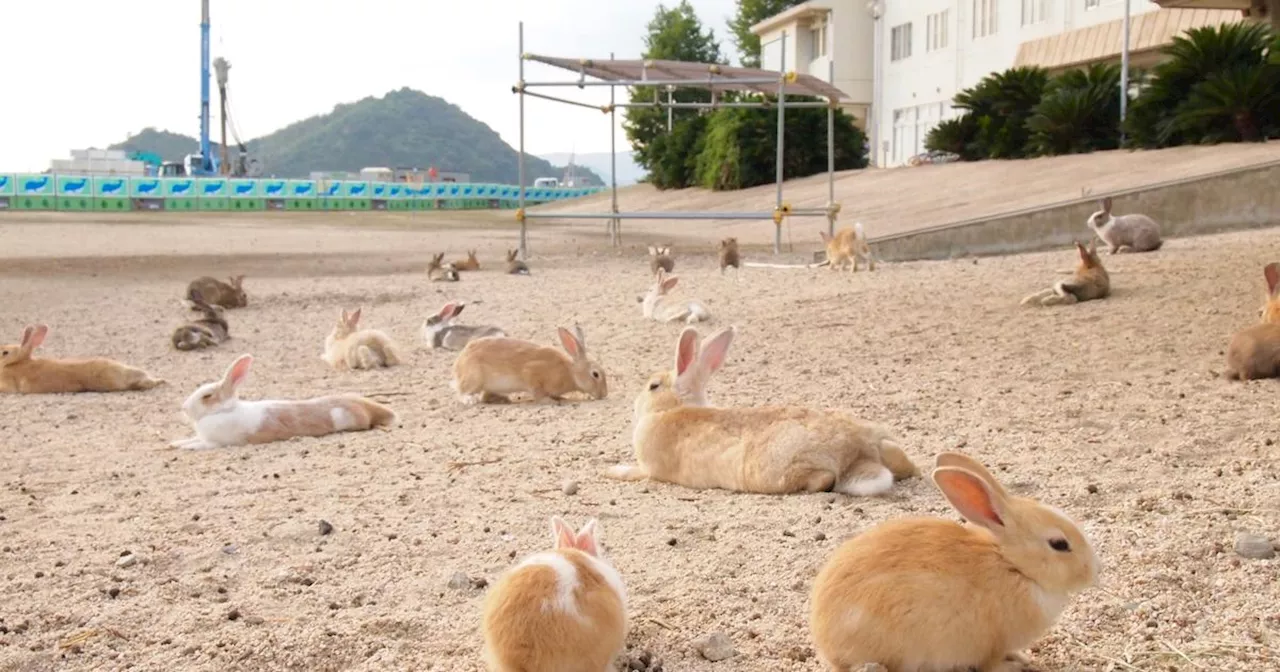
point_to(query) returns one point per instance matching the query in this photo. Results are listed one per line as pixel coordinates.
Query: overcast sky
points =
(85, 73)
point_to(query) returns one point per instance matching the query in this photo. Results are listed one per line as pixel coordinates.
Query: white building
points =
(918, 54)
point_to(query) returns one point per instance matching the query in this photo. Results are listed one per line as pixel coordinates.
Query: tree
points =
(1079, 113)
(994, 125)
(1215, 85)
(674, 34)
(751, 12)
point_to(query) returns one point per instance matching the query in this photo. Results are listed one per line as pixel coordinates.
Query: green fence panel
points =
(117, 204)
(214, 204)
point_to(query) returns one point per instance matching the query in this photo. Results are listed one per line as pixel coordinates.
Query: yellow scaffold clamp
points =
(606, 108)
(518, 87)
(791, 77)
(520, 215)
(781, 212)
(833, 209)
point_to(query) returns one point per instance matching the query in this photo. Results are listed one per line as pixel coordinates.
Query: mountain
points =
(404, 128)
(629, 172)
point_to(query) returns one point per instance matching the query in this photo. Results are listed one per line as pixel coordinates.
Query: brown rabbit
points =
(1089, 282)
(438, 271)
(729, 254)
(471, 263)
(23, 374)
(218, 293)
(846, 247)
(660, 258)
(1255, 352)
(205, 332)
(514, 265)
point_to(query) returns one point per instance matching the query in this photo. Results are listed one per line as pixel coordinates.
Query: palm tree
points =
(1216, 84)
(1079, 113)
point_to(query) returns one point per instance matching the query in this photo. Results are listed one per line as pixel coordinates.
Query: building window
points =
(1035, 11)
(900, 42)
(935, 34)
(985, 19)
(1092, 4)
(818, 38)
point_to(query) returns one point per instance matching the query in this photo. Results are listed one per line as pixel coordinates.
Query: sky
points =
(106, 69)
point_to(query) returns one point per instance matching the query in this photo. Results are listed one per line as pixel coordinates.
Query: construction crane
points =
(205, 164)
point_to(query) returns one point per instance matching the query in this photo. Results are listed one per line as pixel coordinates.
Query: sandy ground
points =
(1108, 410)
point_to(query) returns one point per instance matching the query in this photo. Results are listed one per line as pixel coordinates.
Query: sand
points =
(1109, 410)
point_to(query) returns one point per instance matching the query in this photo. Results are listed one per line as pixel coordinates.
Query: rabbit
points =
(1254, 352)
(471, 263)
(21, 373)
(205, 332)
(764, 450)
(515, 266)
(729, 255)
(563, 610)
(491, 369)
(845, 248)
(438, 271)
(218, 293)
(440, 333)
(221, 418)
(349, 347)
(660, 258)
(928, 594)
(1126, 233)
(1089, 282)
(656, 305)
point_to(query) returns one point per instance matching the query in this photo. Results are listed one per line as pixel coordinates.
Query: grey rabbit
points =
(205, 332)
(1126, 233)
(440, 333)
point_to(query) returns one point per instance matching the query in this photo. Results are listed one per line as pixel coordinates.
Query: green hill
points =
(404, 128)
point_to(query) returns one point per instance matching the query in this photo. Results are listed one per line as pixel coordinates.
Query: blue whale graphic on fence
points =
(4, 181)
(358, 189)
(301, 189)
(274, 188)
(75, 186)
(109, 187)
(180, 188)
(245, 188)
(379, 189)
(333, 189)
(148, 187)
(213, 187)
(38, 184)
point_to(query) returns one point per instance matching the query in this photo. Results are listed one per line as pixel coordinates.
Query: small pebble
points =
(127, 560)
(872, 667)
(1254, 546)
(715, 647)
(114, 592)
(819, 536)
(233, 615)
(459, 581)
(325, 528)
(569, 487)
(1093, 489)
(671, 541)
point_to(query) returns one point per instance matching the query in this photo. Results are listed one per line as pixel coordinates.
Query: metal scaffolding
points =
(669, 75)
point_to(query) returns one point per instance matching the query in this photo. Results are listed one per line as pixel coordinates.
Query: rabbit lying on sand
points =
(206, 332)
(438, 271)
(1089, 282)
(214, 291)
(767, 450)
(492, 369)
(440, 332)
(657, 305)
(221, 418)
(349, 347)
(23, 374)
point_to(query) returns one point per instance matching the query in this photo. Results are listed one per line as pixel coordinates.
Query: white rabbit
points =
(221, 418)
(1126, 233)
(656, 305)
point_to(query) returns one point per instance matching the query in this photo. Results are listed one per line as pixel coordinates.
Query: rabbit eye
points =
(595, 374)
(654, 386)
(4, 354)
(207, 396)
(1059, 545)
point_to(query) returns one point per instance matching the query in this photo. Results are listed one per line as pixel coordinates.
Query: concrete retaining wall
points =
(1232, 200)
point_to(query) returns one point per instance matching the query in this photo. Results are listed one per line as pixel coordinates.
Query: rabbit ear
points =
(972, 497)
(236, 373)
(825, 237)
(570, 343)
(1106, 205)
(962, 461)
(588, 538)
(561, 534)
(711, 356)
(354, 318)
(670, 282)
(1272, 273)
(686, 349)
(26, 336)
(457, 309)
(37, 336)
